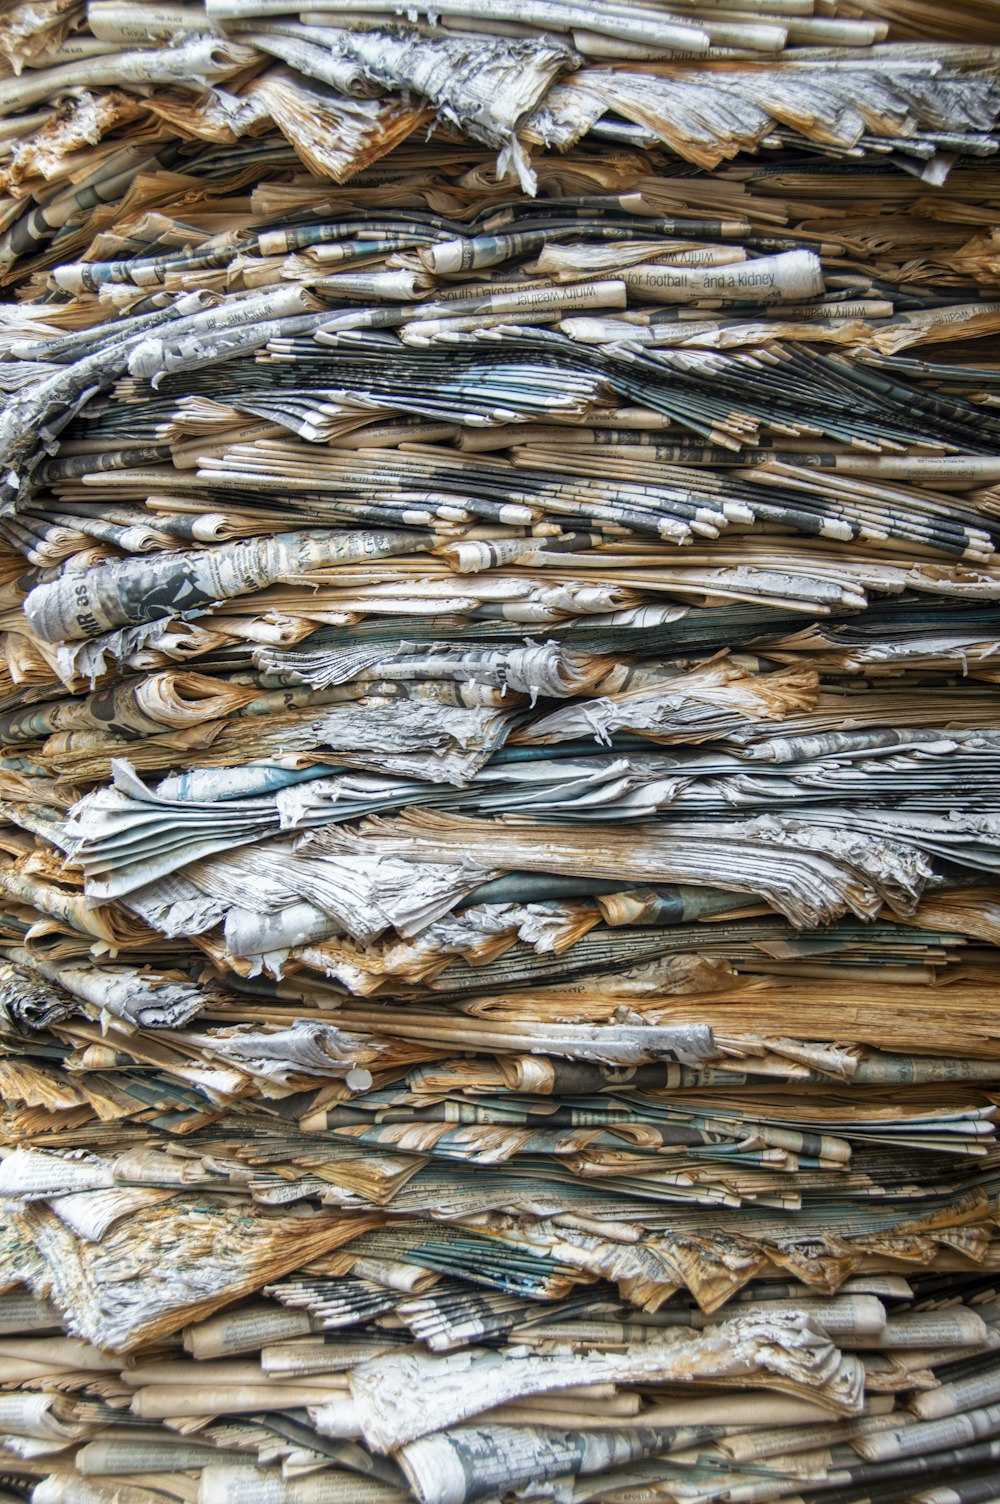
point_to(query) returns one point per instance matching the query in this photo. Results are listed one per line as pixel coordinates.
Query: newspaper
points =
(498, 752)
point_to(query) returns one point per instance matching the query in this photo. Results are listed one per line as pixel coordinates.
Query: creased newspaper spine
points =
(220, 1484)
(452, 1467)
(957, 1396)
(244, 1331)
(929, 1436)
(114, 595)
(791, 277)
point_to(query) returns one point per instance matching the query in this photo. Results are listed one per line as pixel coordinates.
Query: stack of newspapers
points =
(499, 752)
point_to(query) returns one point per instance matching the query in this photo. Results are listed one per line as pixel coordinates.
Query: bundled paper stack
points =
(500, 746)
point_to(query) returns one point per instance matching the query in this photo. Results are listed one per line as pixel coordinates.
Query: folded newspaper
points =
(499, 752)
